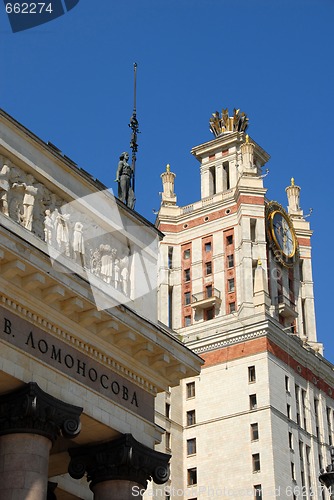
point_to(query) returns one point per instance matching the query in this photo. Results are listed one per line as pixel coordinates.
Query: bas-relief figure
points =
(35, 207)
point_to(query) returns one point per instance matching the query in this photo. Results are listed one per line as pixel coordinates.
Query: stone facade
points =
(81, 362)
(236, 286)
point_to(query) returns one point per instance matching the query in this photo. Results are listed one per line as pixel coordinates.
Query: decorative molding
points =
(121, 459)
(31, 410)
(228, 342)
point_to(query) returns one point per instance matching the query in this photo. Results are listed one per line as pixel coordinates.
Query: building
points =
(82, 353)
(236, 287)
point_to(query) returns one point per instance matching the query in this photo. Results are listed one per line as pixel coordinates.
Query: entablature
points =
(65, 305)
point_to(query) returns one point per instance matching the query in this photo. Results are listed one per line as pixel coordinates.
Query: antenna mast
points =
(135, 129)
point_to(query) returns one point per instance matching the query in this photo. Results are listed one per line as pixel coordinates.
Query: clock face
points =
(281, 234)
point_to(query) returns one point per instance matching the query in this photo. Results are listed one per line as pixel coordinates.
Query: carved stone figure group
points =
(23, 199)
(107, 264)
(32, 205)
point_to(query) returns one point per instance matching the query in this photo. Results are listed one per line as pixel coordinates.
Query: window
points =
(187, 274)
(232, 307)
(167, 410)
(304, 408)
(252, 402)
(293, 472)
(209, 314)
(168, 440)
(212, 180)
(186, 254)
(187, 320)
(230, 285)
(301, 270)
(208, 268)
(208, 247)
(191, 446)
(229, 240)
(253, 230)
(316, 413)
(256, 462)
(287, 383)
(192, 476)
(208, 291)
(329, 425)
(170, 257)
(290, 441)
(170, 306)
(191, 419)
(300, 445)
(230, 261)
(251, 374)
(288, 410)
(258, 492)
(187, 298)
(254, 432)
(190, 390)
(297, 404)
(226, 176)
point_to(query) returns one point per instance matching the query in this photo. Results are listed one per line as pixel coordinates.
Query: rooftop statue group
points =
(124, 178)
(221, 123)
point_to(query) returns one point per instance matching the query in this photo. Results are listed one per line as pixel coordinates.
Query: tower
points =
(236, 287)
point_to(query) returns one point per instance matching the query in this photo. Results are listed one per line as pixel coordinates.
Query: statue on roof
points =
(123, 177)
(222, 123)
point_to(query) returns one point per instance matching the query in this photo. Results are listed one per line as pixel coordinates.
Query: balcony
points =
(203, 300)
(285, 307)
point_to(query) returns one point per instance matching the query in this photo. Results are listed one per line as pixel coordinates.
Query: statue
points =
(4, 188)
(48, 227)
(215, 124)
(62, 231)
(106, 262)
(123, 177)
(78, 243)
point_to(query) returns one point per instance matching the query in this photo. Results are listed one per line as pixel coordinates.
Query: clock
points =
(281, 233)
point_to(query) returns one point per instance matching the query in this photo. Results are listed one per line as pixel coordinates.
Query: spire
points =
(168, 195)
(293, 194)
(135, 131)
(247, 153)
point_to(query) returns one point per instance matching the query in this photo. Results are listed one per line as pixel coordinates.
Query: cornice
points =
(230, 341)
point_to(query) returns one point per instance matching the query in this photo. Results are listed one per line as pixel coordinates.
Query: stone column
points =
(119, 469)
(30, 421)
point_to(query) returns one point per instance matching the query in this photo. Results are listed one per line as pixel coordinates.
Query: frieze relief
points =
(67, 230)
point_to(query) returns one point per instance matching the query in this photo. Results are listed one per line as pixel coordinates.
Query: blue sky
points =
(70, 82)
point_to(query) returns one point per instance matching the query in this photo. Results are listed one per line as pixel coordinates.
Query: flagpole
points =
(135, 128)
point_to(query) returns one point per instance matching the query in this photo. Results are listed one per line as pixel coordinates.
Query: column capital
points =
(31, 410)
(121, 459)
